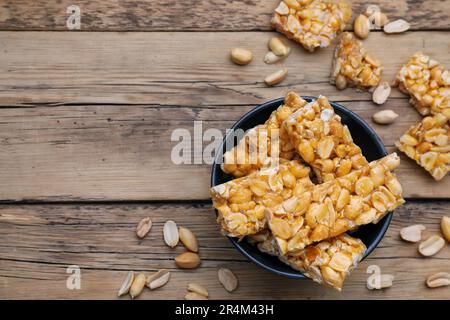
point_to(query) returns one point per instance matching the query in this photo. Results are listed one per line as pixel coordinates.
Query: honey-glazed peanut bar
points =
(428, 84)
(353, 66)
(428, 143)
(312, 23)
(284, 196)
(363, 196)
(328, 262)
(255, 147)
(322, 141)
(241, 203)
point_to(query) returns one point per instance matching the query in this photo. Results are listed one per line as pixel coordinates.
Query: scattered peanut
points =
(362, 26)
(385, 117)
(439, 279)
(271, 57)
(126, 284)
(396, 26)
(194, 287)
(143, 227)
(431, 246)
(228, 279)
(276, 77)
(188, 260)
(241, 56)
(188, 239)
(381, 93)
(158, 279)
(277, 46)
(194, 296)
(171, 236)
(412, 233)
(385, 281)
(445, 227)
(138, 285)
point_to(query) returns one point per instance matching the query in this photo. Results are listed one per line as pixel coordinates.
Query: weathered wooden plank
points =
(124, 152)
(177, 68)
(146, 15)
(38, 243)
(83, 151)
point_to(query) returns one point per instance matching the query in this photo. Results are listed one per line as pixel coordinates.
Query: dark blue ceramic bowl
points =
(363, 135)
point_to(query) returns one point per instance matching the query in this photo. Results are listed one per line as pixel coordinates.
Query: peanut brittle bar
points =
(428, 84)
(328, 262)
(322, 141)
(298, 212)
(363, 196)
(353, 66)
(428, 143)
(241, 203)
(312, 23)
(255, 147)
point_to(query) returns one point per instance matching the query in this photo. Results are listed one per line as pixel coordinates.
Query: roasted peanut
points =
(381, 93)
(241, 56)
(412, 233)
(143, 227)
(188, 260)
(445, 227)
(396, 26)
(276, 77)
(228, 279)
(138, 285)
(431, 246)
(362, 26)
(385, 117)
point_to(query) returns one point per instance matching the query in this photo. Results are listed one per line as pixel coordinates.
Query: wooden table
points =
(85, 132)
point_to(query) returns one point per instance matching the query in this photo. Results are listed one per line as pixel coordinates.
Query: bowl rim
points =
(384, 223)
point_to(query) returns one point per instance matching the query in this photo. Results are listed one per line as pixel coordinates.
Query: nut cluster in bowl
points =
(299, 205)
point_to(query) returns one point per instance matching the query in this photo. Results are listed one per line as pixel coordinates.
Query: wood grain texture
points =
(38, 243)
(147, 15)
(188, 69)
(89, 115)
(105, 152)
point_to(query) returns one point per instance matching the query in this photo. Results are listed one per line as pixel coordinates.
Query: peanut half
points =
(439, 279)
(431, 246)
(228, 279)
(241, 56)
(271, 57)
(445, 227)
(412, 233)
(396, 26)
(381, 93)
(126, 284)
(188, 260)
(143, 227)
(138, 285)
(188, 238)
(194, 287)
(171, 236)
(278, 47)
(276, 77)
(384, 117)
(158, 279)
(362, 26)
